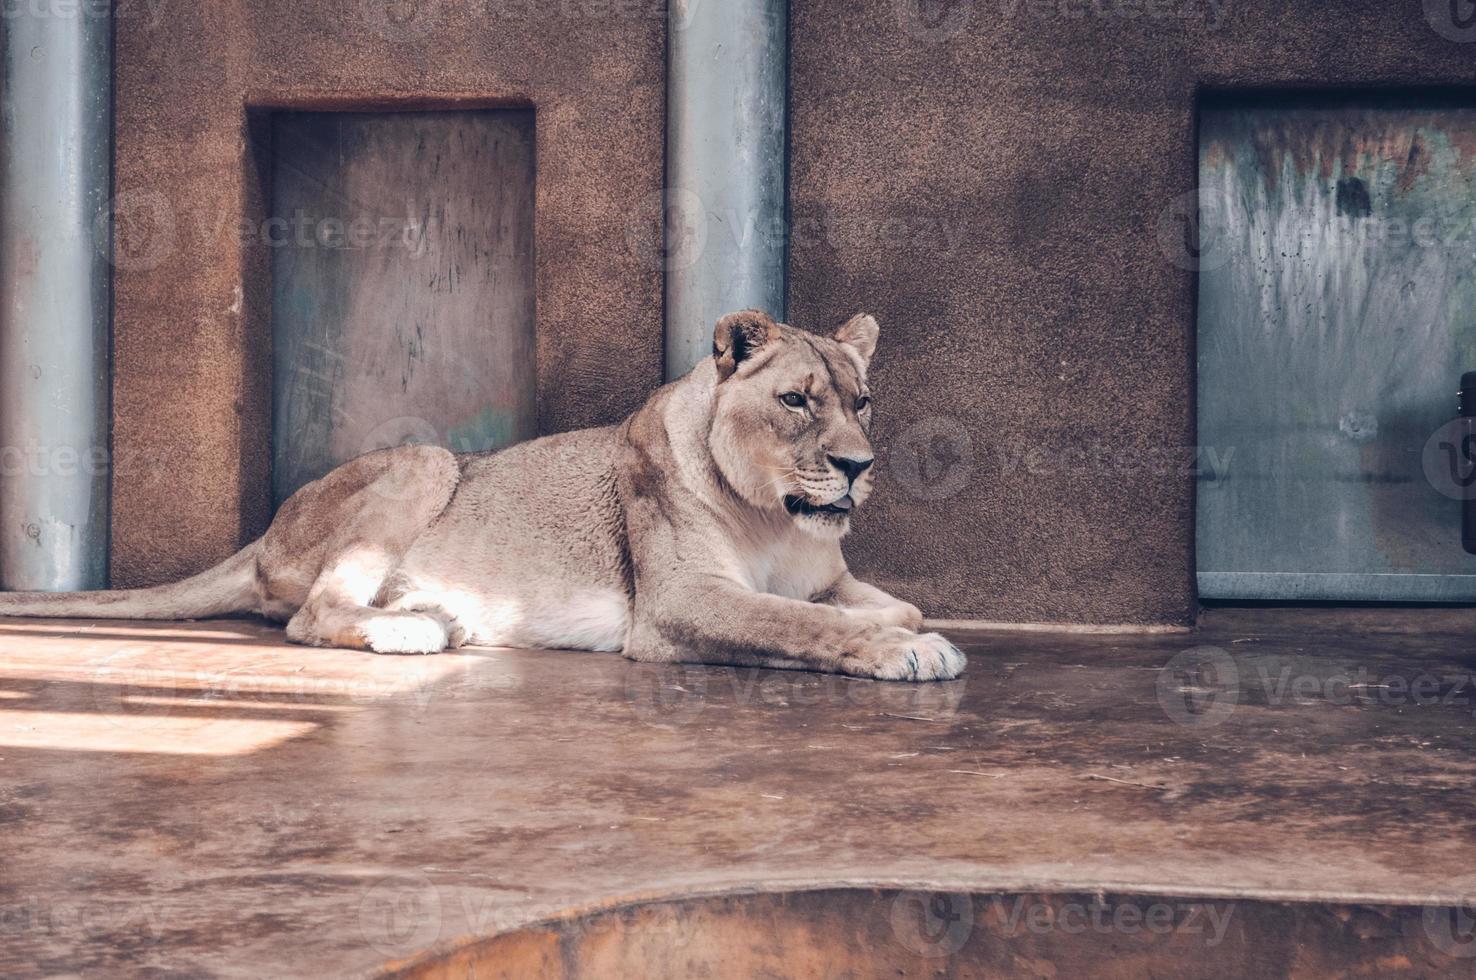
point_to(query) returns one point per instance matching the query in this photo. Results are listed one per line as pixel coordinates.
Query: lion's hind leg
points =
(368, 536)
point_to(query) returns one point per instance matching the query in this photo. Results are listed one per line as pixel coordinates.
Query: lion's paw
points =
(405, 632)
(901, 655)
(456, 633)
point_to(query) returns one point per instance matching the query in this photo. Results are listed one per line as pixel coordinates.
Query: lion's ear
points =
(737, 336)
(860, 333)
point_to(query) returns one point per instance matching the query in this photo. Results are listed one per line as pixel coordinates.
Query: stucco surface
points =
(1003, 184)
(192, 386)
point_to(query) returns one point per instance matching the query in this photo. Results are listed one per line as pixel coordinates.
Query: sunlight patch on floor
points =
(125, 732)
(215, 688)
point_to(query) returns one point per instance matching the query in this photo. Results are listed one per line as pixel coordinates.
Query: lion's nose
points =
(851, 466)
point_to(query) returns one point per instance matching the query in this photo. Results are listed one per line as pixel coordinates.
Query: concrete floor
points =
(204, 800)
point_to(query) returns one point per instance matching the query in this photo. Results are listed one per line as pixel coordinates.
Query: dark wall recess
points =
(402, 285)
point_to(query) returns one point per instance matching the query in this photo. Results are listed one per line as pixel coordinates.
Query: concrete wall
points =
(1002, 182)
(192, 386)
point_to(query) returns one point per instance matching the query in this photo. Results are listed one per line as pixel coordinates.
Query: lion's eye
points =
(863, 403)
(793, 399)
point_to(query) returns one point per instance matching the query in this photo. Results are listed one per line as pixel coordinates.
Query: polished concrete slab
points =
(203, 800)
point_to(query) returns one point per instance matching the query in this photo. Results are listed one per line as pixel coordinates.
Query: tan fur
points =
(706, 528)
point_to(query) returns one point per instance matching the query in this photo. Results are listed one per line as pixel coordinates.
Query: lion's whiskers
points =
(781, 482)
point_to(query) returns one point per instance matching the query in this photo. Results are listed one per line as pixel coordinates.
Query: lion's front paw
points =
(896, 654)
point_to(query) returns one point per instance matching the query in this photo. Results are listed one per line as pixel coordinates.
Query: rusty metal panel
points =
(402, 284)
(1337, 311)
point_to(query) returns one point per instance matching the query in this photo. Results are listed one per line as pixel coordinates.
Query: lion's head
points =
(791, 417)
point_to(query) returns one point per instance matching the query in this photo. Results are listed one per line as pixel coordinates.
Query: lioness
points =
(705, 528)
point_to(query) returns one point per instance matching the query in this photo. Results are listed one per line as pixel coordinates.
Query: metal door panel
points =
(402, 284)
(1337, 310)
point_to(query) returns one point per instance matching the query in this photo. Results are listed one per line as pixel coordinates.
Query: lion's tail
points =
(228, 587)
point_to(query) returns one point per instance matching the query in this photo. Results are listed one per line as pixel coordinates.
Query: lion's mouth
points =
(799, 505)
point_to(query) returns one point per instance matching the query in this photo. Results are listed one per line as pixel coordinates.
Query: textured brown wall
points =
(192, 384)
(989, 178)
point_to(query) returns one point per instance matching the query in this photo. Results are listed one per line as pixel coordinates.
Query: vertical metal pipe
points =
(55, 168)
(725, 166)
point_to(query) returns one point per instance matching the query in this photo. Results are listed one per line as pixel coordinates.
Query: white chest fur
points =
(796, 566)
